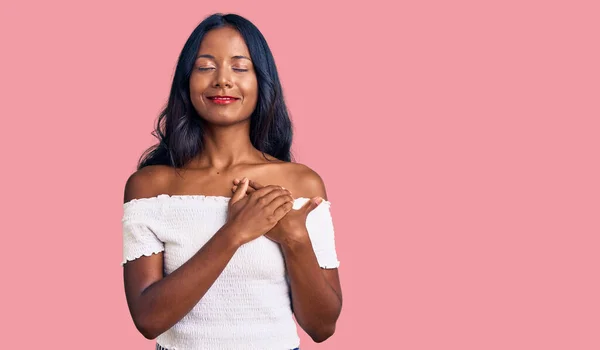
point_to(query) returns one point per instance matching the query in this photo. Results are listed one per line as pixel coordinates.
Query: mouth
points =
(222, 100)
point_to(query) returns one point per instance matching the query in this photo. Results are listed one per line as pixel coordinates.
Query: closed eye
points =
(204, 69)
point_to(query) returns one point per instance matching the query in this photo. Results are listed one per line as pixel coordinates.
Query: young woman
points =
(225, 239)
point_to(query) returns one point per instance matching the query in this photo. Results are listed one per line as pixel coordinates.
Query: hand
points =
(251, 216)
(292, 227)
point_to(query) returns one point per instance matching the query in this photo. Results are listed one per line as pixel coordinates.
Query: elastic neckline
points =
(216, 199)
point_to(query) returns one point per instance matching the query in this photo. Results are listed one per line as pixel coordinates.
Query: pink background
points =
(459, 142)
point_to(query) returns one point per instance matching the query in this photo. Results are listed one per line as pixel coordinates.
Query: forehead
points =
(225, 41)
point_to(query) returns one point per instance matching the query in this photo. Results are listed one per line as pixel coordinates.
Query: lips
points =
(222, 100)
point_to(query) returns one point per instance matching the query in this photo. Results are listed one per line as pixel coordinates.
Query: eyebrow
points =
(238, 57)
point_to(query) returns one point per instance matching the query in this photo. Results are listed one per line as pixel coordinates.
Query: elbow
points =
(322, 334)
(148, 334)
(147, 327)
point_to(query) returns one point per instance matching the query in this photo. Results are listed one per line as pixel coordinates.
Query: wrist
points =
(231, 233)
(297, 241)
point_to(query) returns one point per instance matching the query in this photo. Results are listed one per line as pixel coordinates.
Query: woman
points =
(204, 270)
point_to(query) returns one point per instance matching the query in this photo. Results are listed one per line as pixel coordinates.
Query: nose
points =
(223, 79)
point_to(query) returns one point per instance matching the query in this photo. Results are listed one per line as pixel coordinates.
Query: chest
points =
(188, 228)
(220, 183)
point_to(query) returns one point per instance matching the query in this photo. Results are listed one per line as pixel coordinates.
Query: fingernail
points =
(245, 180)
(319, 200)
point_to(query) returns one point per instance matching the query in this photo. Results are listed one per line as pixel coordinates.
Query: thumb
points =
(311, 205)
(240, 192)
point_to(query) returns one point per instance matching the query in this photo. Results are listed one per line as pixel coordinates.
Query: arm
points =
(157, 303)
(316, 292)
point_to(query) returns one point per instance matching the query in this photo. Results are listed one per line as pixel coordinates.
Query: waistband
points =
(159, 347)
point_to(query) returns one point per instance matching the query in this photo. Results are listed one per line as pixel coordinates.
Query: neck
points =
(226, 146)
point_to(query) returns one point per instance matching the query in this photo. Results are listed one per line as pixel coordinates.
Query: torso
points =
(255, 278)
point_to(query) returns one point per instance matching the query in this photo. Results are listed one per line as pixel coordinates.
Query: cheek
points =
(196, 90)
(195, 85)
(250, 90)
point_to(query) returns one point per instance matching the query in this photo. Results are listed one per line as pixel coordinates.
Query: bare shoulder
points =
(147, 182)
(304, 181)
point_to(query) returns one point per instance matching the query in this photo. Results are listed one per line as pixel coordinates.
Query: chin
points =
(224, 120)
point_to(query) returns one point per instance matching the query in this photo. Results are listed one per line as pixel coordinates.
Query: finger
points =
(240, 192)
(267, 199)
(250, 189)
(237, 180)
(311, 205)
(265, 190)
(283, 209)
(278, 201)
(255, 185)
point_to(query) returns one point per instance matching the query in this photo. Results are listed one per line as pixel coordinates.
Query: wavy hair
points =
(179, 129)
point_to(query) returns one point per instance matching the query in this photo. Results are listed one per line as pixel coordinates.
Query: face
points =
(223, 84)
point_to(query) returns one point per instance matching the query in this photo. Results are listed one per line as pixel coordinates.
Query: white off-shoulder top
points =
(248, 306)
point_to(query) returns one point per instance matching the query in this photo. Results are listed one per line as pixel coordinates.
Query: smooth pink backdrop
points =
(459, 142)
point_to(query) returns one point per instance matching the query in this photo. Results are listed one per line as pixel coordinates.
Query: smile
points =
(222, 99)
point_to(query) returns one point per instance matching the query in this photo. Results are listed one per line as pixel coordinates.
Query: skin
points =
(156, 302)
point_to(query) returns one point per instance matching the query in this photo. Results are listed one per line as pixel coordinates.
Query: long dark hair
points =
(179, 129)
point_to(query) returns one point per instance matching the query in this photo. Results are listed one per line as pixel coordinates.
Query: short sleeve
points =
(139, 224)
(319, 225)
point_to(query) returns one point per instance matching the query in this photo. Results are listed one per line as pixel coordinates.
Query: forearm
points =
(316, 304)
(167, 301)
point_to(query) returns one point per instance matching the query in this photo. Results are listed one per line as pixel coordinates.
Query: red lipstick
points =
(222, 100)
